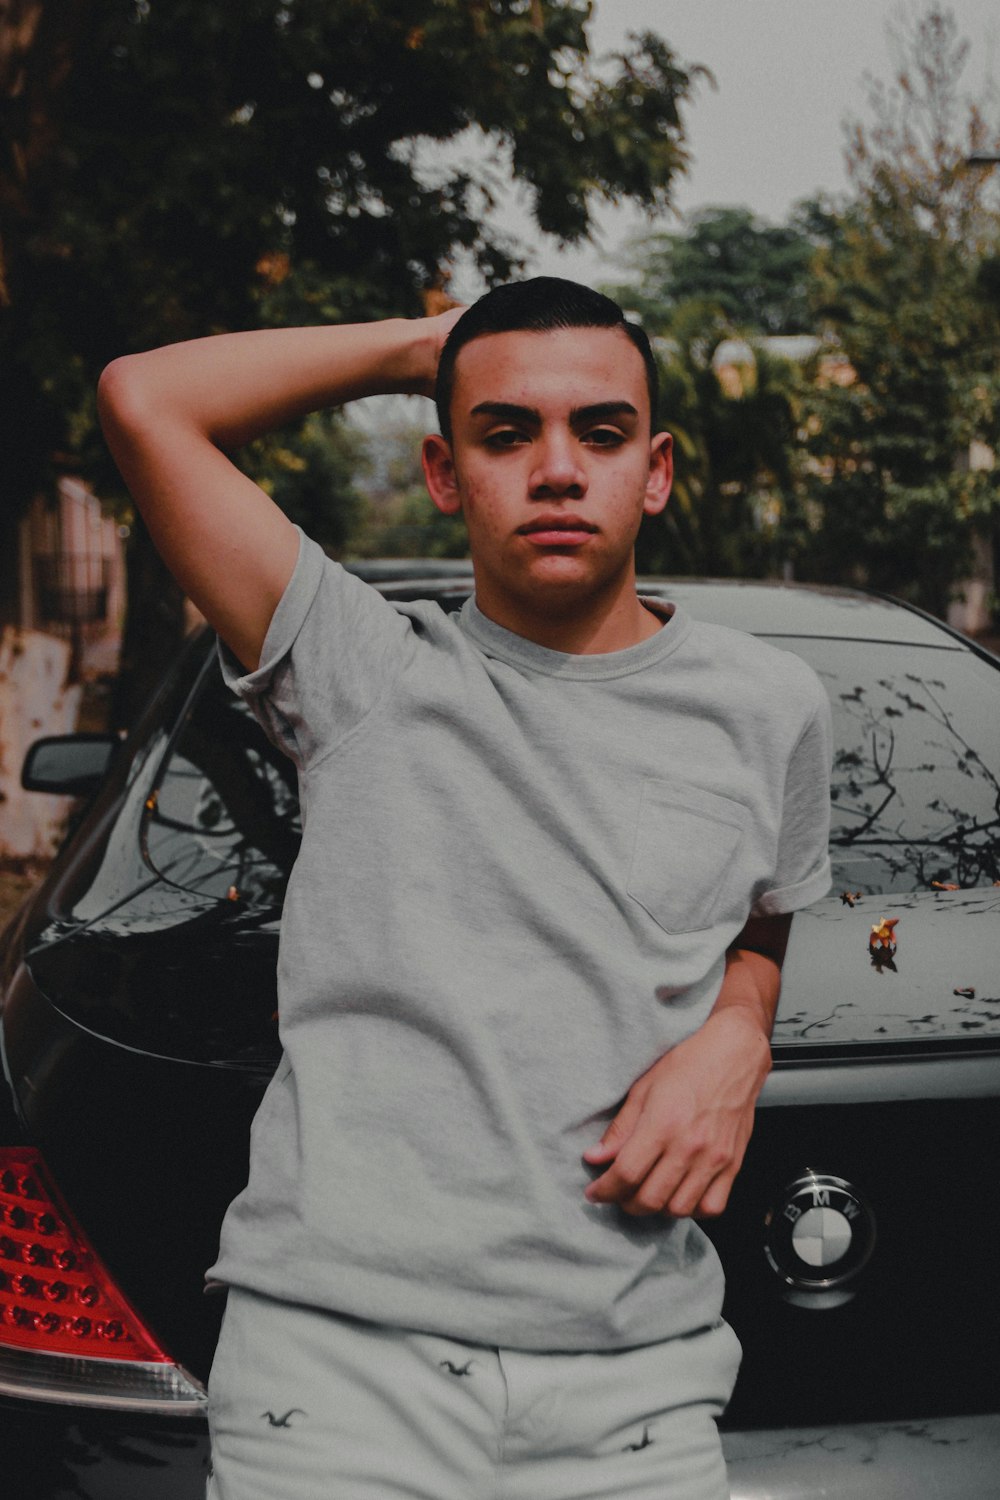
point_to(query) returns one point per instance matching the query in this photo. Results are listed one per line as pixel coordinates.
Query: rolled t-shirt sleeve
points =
(333, 647)
(802, 872)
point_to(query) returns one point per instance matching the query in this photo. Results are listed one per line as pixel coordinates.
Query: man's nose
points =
(557, 469)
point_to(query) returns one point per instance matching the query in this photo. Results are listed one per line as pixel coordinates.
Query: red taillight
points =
(67, 1334)
(56, 1297)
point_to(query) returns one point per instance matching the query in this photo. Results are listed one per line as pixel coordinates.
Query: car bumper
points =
(54, 1452)
(937, 1458)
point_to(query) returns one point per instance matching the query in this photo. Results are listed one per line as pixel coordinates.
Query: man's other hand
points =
(677, 1142)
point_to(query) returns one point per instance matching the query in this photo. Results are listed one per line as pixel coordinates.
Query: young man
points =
(531, 947)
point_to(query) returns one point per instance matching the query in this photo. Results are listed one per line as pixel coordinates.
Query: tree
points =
(726, 276)
(734, 492)
(304, 469)
(904, 287)
(756, 274)
(37, 45)
(194, 166)
(397, 517)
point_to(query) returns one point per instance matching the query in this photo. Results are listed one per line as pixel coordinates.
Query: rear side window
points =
(916, 769)
(224, 817)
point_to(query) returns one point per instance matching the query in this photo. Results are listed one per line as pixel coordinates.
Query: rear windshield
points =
(225, 814)
(916, 780)
(916, 768)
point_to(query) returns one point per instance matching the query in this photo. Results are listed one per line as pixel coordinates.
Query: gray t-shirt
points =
(520, 870)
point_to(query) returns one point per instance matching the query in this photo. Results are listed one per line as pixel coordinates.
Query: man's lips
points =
(557, 530)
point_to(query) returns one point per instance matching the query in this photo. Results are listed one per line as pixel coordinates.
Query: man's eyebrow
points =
(602, 411)
(506, 411)
(598, 411)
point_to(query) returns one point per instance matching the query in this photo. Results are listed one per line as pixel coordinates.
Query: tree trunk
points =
(154, 628)
(38, 46)
(34, 701)
(10, 554)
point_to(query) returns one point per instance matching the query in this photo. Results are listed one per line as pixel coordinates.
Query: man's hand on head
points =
(437, 327)
(678, 1141)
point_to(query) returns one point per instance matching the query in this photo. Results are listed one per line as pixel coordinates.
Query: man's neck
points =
(592, 629)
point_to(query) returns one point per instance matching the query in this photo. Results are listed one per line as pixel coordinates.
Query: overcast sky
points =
(787, 74)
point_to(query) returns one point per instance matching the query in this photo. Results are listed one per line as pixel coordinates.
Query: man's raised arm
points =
(171, 415)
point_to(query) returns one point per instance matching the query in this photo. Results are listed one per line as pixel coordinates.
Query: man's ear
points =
(439, 475)
(661, 474)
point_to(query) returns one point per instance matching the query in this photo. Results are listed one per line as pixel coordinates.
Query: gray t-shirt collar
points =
(518, 650)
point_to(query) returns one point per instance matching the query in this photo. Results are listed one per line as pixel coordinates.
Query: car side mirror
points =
(68, 765)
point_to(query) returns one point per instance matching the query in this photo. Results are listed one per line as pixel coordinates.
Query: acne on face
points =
(572, 400)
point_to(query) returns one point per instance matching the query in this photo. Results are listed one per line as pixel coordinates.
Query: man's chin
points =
(564, 582)
(566, 573)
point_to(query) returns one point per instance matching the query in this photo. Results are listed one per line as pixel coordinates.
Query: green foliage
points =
(396, 517)
(756, 274)
(905, 288)
(311, 473)
(856, 468)
(183, 168)
(734, 498)
(734, 507)
(410, 527)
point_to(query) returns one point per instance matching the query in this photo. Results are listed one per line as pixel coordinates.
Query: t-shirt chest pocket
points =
(685, 869)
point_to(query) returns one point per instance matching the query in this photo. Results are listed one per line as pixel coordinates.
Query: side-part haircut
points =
(540, 305)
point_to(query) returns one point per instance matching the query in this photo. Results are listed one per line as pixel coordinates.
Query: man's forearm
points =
(752, 980)
(678, 1140)
(171, 417)
(750, 990)
(751, 986)
(232, 387)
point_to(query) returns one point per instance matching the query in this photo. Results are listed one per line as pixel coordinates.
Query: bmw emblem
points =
(819, 1236)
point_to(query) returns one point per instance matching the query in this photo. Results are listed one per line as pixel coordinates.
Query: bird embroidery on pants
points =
(285, 1421)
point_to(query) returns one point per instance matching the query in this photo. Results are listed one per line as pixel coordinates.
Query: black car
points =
(139, 1031)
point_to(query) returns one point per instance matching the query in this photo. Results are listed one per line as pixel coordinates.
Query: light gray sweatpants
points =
(307, 1405)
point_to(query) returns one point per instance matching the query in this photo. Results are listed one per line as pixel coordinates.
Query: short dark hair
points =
(540, 305)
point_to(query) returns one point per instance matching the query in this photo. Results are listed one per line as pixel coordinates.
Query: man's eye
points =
(505, 437)
(604, 437)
